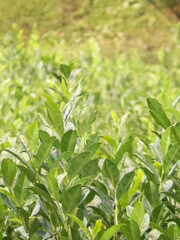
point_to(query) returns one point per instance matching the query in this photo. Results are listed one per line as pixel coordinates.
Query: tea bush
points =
(64, 181)
(88, 152)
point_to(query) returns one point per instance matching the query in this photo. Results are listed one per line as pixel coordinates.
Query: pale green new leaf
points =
(97, 228)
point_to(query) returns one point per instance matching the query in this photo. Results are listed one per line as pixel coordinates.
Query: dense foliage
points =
(88, 152)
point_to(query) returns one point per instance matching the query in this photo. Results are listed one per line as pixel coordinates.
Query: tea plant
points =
(62, 180)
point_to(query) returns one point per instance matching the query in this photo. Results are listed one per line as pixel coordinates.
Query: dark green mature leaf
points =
(125, 147)
(152, 193)
(59, 77)
(44, 151)
(111, 171)
(9, 171)
(157, 213)
(90, 169)
(68, 141)
(100, 186)
(65, 70)
(109, 233)
(71, 198)
(55, 117)
(158, 113)
(82, 225)
(130, 229)
(77, 163)
(124, 184)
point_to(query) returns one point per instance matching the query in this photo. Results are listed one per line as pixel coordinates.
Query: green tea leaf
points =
(169, 158)
(175, 196)
(109, 233)
(130, 229)
(77, 163)
(33, 137)
(111, 171)
(82, 225)
(138, 213)
(44, 151)
(29, 174)
(90, 169)
(157, 214)
(124, 185)
(125, 147)
(176, 131)
(158, 113)
(105, 200)
(55, 117)
(20, 189)
(68, 141)
(65, 70)
(130, 193)
(53, 184)
(9, 171)
(71, 198)
(165, 141)
(101, 214)
(97, 228)
(152, 194)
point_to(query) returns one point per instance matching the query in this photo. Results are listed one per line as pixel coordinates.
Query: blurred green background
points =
(117, 25)
(127, 49)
